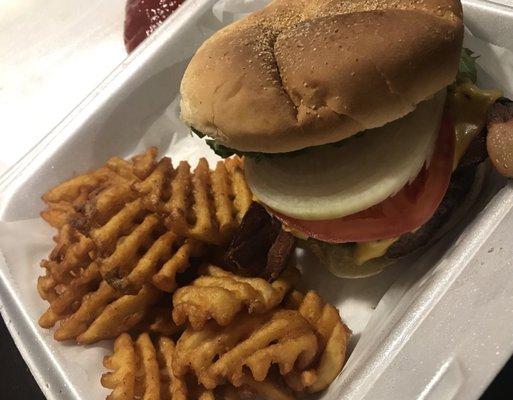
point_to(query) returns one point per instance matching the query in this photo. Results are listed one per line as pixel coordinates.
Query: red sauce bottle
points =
(142, 17)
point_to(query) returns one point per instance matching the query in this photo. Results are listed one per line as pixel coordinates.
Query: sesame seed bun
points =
(302, 73)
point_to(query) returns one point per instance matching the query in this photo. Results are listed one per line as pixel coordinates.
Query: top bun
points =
(302, 73)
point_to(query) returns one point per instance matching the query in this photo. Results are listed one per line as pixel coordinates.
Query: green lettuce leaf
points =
(225, 152)
(467, 70)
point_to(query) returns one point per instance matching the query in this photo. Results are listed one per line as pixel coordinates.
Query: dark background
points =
(19, 384)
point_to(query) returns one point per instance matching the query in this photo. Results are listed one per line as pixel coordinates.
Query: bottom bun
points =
(339, 260)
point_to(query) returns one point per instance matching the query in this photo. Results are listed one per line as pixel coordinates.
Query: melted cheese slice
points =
(366, 251)
(468, 106)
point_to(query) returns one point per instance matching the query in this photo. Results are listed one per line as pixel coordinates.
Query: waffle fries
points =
(114, 257)
(64, 200)
(144, 370)
(89, 308)
(283, 338)
(131, 236)
(220, 295)
(305, 338)
(141, 370)
(168, 255)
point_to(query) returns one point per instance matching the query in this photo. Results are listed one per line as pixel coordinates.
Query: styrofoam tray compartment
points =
(434, 327)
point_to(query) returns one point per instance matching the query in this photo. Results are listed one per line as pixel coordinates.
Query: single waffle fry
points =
(283, 338)
(165, 278)
(144, 164)
(204, 225)
(123, 365)
(98, 209)
(77, 187)
(70, 198)
(220, 295)
(205, 205)
(58, 214)
(107, 236)
(149, 379)
(197, 305)
(128, 251)
(105, 313)
(333, 338)
(177, 207)
(136, 373)
(68, 276)
(196, 349)
(177, 388)
(222, 196)
(70, 295)
(121, 315)
(91, 306)
(240, 189)
(167, 256)
(143, 370)
(154, 187)
(70, 254)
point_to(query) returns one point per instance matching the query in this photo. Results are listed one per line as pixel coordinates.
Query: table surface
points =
(53, 54)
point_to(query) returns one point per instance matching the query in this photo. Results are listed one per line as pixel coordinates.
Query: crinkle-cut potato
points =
(333, 337)
(215, 353)
(143, 369)
(221, 295)
(71, 195)
(205, 205)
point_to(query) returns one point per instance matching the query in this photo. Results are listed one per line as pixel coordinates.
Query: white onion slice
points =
(333, 182)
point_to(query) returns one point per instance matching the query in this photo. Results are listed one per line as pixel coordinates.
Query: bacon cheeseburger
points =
(360, 123)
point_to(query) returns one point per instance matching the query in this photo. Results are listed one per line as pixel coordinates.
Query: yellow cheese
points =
(468, 106)
(365, 251)
(294, 232)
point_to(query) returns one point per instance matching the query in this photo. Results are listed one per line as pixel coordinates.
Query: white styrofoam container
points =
(441, 331)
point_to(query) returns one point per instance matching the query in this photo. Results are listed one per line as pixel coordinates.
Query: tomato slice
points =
(410, 208)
